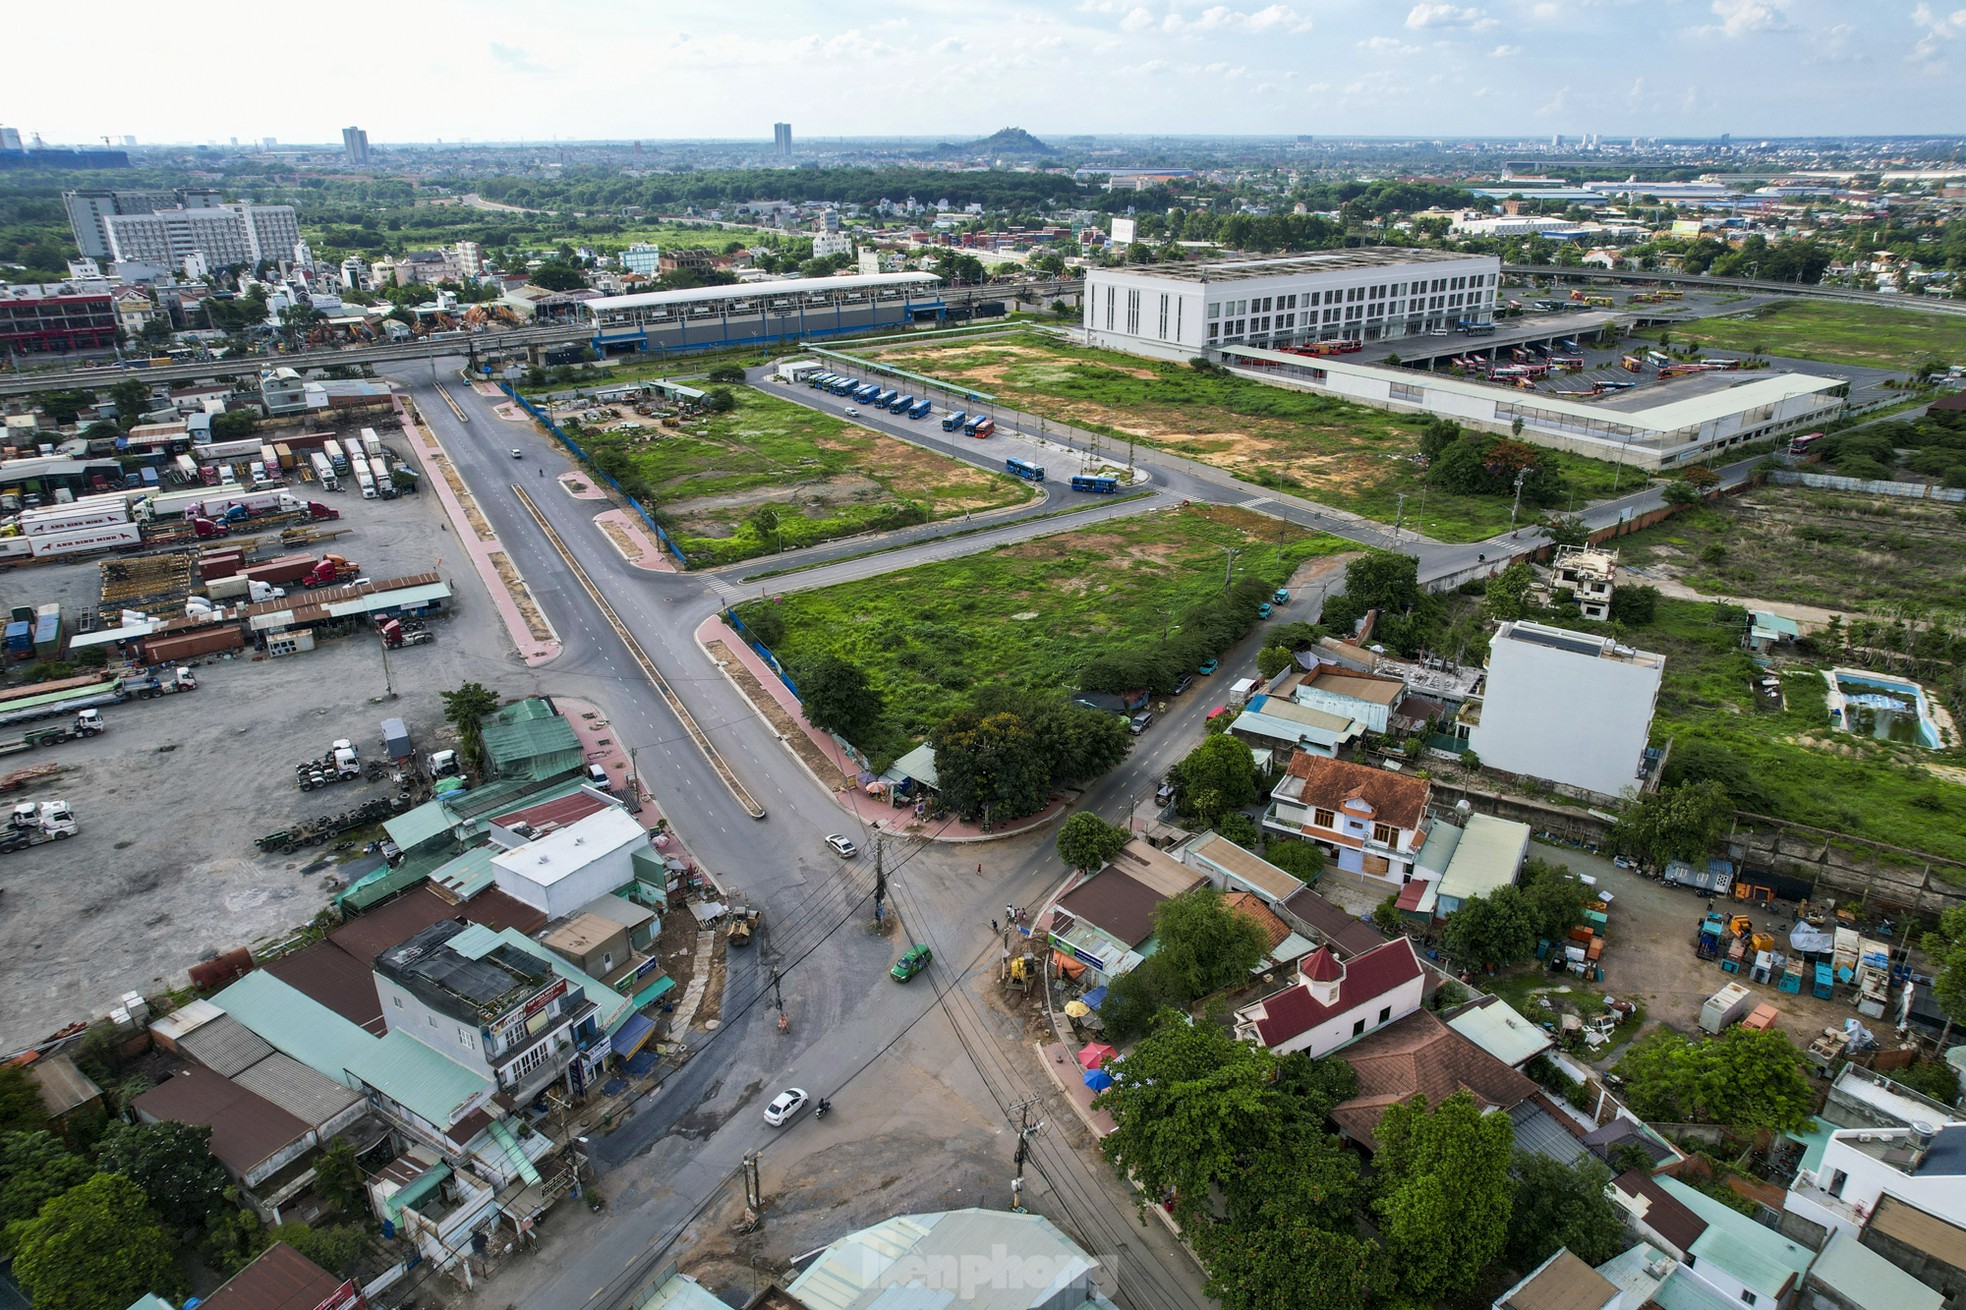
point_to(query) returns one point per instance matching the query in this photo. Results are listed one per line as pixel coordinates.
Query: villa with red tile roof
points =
(1369, 821)
(1334, 1003)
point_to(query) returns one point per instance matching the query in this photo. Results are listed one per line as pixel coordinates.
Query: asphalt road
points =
(682, 1144)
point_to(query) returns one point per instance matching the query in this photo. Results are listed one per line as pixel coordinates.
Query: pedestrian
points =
(993, 928)
(1010, 913)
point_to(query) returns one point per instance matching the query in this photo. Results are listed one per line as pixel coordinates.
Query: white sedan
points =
(786, 1104)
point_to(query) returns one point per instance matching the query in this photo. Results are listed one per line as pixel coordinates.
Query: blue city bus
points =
(902, 404)
(1098, 486)
(950, 422)
(819, 379)
(1026, 470)
(921, 409)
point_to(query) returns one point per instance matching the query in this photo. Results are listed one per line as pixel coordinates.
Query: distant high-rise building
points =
(129, 142)
(1726, 140)
(781, 138)
(9, 138)
(88, 212)
(268, 143)
(355, 144)
(1556, 140)
(223, 235)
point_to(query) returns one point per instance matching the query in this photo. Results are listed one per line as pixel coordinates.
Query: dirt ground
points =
(163, 872)
(1650, 956)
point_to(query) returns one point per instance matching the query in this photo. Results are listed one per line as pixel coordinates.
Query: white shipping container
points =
(87, 539)
(15, 547)
(218, 450)
(73, 520)
(371, 442)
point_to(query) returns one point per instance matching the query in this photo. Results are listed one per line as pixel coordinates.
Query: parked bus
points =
(902, 404)
(1801, 445)
(979, 427)
(882, 399)
(1097, 485)
(921, 409)
(1026, 470)
(950, 422)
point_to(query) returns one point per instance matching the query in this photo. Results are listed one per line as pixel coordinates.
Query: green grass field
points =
(1332, 451)
(1799, 767)
(1827, 549)
(772, 475)
(1835, 332)
(1032, 614)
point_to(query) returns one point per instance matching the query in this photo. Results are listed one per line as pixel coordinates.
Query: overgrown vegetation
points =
(1838, 332)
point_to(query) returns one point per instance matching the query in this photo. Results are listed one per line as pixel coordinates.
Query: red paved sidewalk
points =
(874, 811)
(478, 550)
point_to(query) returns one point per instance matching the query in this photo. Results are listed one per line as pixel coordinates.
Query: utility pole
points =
(1399, 517)
(388, 687)
(1521, 476)
(754, 1192)
(1229, 570)
(880, 883)
(1026, 1130)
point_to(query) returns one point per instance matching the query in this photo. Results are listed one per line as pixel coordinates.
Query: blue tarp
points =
(1094, 998)
(634, 1031)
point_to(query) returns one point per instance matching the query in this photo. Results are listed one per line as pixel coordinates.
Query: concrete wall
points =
(1567, 718)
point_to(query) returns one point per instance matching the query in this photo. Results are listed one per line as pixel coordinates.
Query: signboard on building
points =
(1124, 230)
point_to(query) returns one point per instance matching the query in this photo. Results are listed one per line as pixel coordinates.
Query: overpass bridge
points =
(1924, 304)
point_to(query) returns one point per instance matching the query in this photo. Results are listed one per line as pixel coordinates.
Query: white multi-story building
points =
(1566, 707)
(224, 234)
(354, 274)
(831, 243)
(1180, 310)
(643, 258)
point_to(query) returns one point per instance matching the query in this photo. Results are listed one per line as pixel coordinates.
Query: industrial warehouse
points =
(701, 317)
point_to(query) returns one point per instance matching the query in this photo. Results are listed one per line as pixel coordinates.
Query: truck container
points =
(268, 457)
(187, 468)
(1725, 1006)
(20, 638)
(371, 443)
(324, 472)
(284, 454)
(111, 536)
(1716, 879)
(47, 630)
(336, 456)
(1239, 692)
(69, 518)
(190, 645)
(279, 572)
(63, 696)
(396, 740)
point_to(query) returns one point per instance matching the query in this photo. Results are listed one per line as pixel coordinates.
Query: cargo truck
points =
(174, 681)
(332, 570)
(323, 471)
(82, 541)
(88, 723)
(371, 443)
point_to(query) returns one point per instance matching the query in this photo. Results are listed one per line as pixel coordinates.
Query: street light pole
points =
(1521, 476)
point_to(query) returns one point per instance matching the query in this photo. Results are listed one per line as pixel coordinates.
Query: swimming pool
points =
(1888, 709)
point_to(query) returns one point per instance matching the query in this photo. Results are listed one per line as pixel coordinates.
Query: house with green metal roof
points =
(296, 1025)
(527, 739)
(420, 1081)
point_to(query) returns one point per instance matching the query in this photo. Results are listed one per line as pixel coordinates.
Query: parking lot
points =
(163, 871)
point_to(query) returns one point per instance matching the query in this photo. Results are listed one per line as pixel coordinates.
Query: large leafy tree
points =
(1444, 1193)
(1676, 823)
(990, 767)
(1215, 777)
(1553, 897)
(1559, 1204)
(837, 696)
(1088, 842)
(1203, 944)
(95, 1247)
(172, 1163)
(1946, 950)
(21, 1110)
(1746, 1079)
(1302, 860)
(464, 709)
(1492, 931)
(1290, 1261)
(34, 1169)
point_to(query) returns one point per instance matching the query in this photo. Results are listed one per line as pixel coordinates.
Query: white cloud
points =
(1504, 51)
(1136, 20)
(1221, 18)
(1744, 17)
(949, 45)
(1939, 29)
(515, 58)
(1388, 45)
(1446, 15)
(1557, 104)
(1148, 69)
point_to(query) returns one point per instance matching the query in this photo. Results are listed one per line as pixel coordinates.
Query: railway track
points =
(649, 671)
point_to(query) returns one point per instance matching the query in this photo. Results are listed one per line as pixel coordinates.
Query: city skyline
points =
(1509, 68)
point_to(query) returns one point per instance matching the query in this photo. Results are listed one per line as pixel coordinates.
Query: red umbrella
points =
(1096, 1054)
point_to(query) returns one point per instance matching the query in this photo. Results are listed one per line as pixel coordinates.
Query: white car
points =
(786, 1104)
(843, 848)
(518, 454)
(851, 412)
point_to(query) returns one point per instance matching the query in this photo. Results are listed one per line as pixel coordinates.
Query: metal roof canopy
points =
(761, 290)
(1332, 261)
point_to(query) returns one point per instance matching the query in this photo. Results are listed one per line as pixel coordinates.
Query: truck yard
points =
(169, 800)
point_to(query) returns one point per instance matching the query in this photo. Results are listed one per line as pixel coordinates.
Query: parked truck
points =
(396, 634)
(1725, 1006)
(170, 683)
(88, 723)
(46, 700)
(332, 570)
(323, 471)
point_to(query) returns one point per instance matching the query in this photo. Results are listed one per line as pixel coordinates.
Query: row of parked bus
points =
(871, 393)
(1097, 484)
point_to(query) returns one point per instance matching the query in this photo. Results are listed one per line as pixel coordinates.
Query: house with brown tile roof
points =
(1421, 1056)
(1562, 1282)
(1369, 821)
(1334, 1003)
(1106, 920)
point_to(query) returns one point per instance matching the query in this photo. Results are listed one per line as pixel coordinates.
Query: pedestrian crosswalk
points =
(1257, 502)
(720, 586)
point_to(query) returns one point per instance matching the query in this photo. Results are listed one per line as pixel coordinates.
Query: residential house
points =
(281, 1278)
(251, 1136)
(1767, 630)
(67, 1094)
(1276, 730)
(1370, 822)
(529, 739)
(1500, 1029)
(1587, 576)
(1920, 1167)
(1326, 922)
(1848, 1275)
(931, 1259)
(557, 872)
(1106, 921)
(1420, 1055)
(1566, 707)
(434, 1204)
(1367, 698)
(1474, 859)
(1717, 1246)
(1562, 1282)
(1281, 946)
(1230, 868)
(1334, 1002)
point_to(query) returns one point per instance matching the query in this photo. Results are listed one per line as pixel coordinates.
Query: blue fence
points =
(764, 651)
(539, 417)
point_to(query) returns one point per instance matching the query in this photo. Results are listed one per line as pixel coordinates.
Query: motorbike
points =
(824, 1106)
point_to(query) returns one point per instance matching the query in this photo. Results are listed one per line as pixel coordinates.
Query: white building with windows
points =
(1377, 293)
(224, 235)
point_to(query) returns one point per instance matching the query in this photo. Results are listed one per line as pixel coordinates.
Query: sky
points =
(535, 70)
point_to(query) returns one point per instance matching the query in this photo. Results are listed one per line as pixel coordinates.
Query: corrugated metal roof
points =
(681, 1292)
(1762, 1259)
(858, 1271)
(1867, 1280)
(247, 1129)
(225, 1046)
(1489, 857)
(1247, 867)
(312, 1097)
(296, 1024)
(537, 748)
(412, 828)
(614, 1008)
(1500, 1029)
(429, 1084)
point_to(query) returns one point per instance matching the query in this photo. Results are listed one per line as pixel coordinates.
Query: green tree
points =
(1239, 828)
(34, 1168)
(95, 1247)
(1554, 899)
(233, 424)
(990, 767)
(172, 1163)
(1383, 580)
(719, 400)
(1385, 917)
(1746, 1080)
(339, 1179)
(1205, 945)
(1444, 1193)
(1087, 842)
(21, 1110)
(1675, 823)
(131, 397)
(1290, 1261)
(1492, 931)
(730, 374)
(1563, 1205)
(559, 275)
(1215, 777)
(1635, 605)
(837, 697)
(464, 709)
(1302, 860)
(1507, 595)
(1945, 951)
(1680, 492)
(337, 1248)
(234, 1238)
(1565, 529)
(1272, 660)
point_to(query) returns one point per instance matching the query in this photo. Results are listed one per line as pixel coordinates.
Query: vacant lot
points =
(1032, 614)
(1792, 764)
(772, 475)
(1839, 333)
(1341, 454)
(1827, 549)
